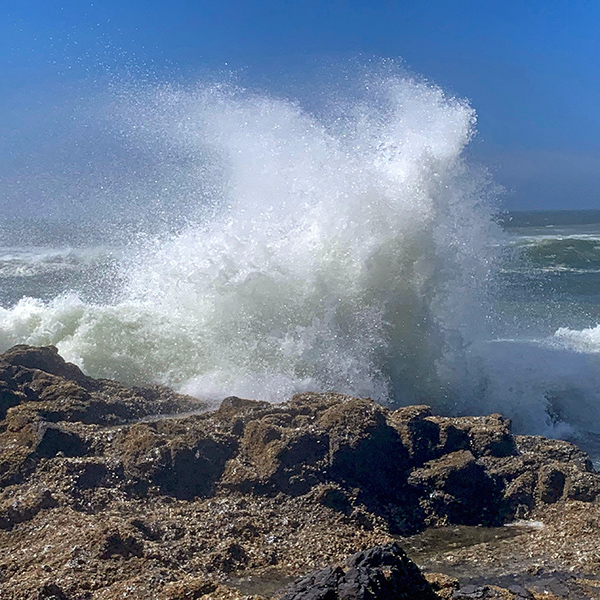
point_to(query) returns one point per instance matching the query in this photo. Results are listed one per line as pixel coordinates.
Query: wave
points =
(31, 262)
(577, 253)
(352, 249)
(582, 340)
(343, 251)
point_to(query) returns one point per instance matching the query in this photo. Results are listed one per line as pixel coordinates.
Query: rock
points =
(471, 592)
(490, 436)
(229, 557)
(335, 498)
(9, 398)
(119, 544)
(45, 359)
(419, 434)
(190, 588)
(16, 508)
(55, 390)
(51, 591)
(384, 573)
(321, 585)
(54, 439)
(112, 490)
(550, 484)
(582, 486)
(443, 585)
(520, 592)
(365, 450)
(557, 450)
(181, 463)
(280, 457)
(456, 489)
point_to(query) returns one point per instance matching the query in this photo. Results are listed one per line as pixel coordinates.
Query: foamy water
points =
(354, 252)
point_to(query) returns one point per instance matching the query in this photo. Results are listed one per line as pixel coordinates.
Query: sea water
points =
(258, 247)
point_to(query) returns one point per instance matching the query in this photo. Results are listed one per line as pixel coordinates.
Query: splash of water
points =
(348, 251)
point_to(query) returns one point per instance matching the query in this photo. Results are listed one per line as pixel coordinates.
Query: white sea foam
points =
(583, 340)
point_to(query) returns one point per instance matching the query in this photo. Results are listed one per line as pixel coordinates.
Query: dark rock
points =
(46, 359)
(54, 439)
(51, 591)
(228, 558)
(470, 592)
(557, 450)
(117, 544)
(582, 486)
(520, 592)
(41, 383)
(420, 435)
(550, 484)
(334, 498)
(15, 510)
(383, 572)
(9, 398)
(282, 458)
(491, 436)
(364, 449)
(456, 489)
(321, 585)
(232, 406)
(184, 464)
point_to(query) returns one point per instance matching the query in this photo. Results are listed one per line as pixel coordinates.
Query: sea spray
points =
(349, 249)
(347, 252)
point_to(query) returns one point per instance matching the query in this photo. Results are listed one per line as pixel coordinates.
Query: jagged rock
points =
(365, 450)
(55, 390)
(381, 573)
(9, 398)
(550, 484)
(16, 508)
(45, 359)
(249, 487)
(558, 450)
(419, 434)
(51, 591)
(54, 440)
(119, 544)
(189, 589)
(457, 489)
(443, 585)
(184, 463)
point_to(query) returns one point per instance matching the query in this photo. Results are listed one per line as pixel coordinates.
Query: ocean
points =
(355, 248)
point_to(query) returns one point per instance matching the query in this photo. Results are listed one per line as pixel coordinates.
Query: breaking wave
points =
(344, 251)
(351, 248)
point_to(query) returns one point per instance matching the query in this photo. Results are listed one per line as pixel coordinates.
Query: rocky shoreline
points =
(112, 492)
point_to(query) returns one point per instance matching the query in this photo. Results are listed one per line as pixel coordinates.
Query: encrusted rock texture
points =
(112, 492)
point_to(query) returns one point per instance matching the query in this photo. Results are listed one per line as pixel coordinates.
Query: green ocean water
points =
(551, 277)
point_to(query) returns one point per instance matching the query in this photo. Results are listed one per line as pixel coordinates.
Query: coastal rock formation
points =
(114, 490)
(380, 572)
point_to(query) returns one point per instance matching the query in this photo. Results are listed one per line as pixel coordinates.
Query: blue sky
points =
(530, 69)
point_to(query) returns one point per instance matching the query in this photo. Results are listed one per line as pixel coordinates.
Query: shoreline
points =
(100, 496)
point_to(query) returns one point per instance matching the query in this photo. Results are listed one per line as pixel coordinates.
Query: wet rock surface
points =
(115, 492)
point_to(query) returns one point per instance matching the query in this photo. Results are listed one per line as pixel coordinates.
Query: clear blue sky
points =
(530, 69)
